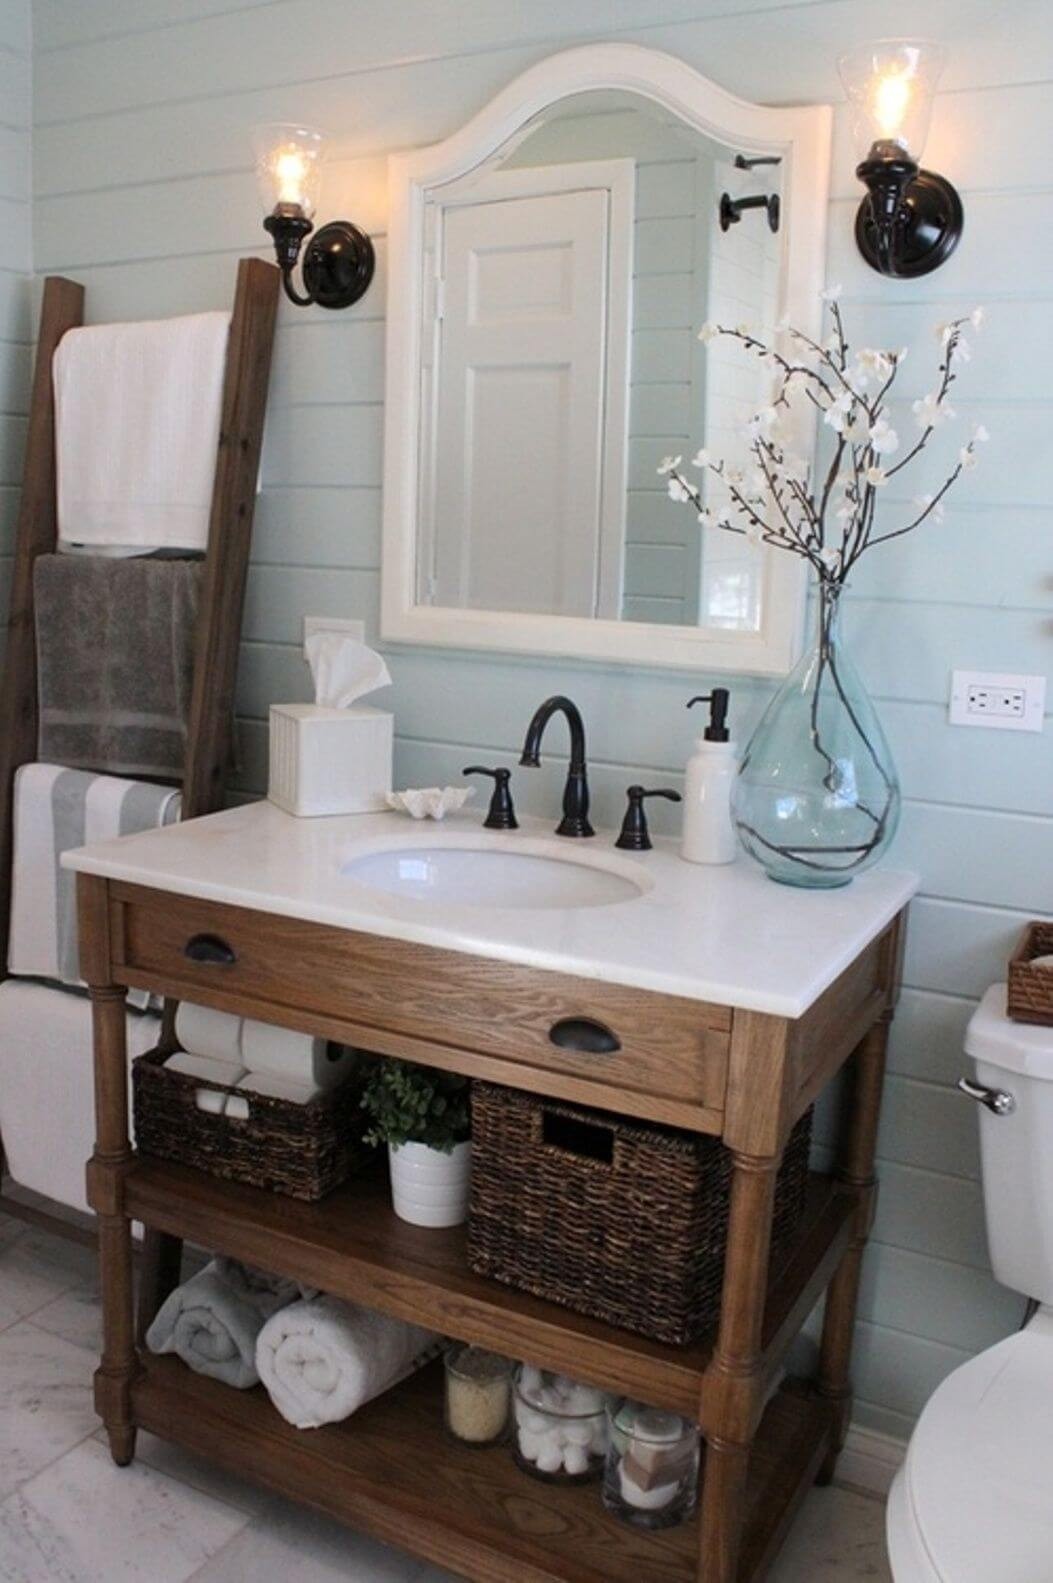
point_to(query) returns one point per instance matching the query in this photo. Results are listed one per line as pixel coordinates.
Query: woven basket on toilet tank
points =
(622, 1220)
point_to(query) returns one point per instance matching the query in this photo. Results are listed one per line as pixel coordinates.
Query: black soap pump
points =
(708, 832)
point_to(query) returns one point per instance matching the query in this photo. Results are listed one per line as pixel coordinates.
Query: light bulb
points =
(289, 167)
(890, 87)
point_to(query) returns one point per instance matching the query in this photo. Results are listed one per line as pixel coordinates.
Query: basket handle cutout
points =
(210, 949)
(588, 1140)
(585, 1035)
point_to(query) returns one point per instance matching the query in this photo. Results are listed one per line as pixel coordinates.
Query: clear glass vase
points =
(817, 799)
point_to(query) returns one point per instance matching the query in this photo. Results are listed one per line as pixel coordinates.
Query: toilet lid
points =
(979, 1470)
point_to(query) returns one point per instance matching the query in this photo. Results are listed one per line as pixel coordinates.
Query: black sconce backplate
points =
(929, 227)
(338, 264)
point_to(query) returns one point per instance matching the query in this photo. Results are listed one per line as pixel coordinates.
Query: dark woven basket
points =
(1029, 993)
(304, 1151)
(621, 1220)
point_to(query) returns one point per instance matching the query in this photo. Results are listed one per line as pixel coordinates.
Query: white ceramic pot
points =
(429, 1188)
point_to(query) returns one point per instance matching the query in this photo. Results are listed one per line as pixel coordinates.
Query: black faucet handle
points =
(635, 836)
(502, 815)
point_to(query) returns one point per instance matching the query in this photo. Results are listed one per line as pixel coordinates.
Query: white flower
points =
(745, 330)
(705, 517)
(876, 477)
(754, 484)
(733, 475)
(961, 351)
(872, 364)
(857, 426)
(845, 511)
(837, 413)
(967, 457)
(702, 458)
(924, 504)
(883, 438)
(668, 464)
(830, 558)
(944, 331)
(901, 355)
(930, 411)
(678, 491)
(831, 293)
(976, 318)
(709, 332)
(762, 424)
(980, 435)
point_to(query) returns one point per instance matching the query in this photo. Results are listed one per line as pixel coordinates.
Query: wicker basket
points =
(304, 1151)
(1029, 995)
(620, 1220)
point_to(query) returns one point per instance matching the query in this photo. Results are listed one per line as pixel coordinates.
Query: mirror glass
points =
(565, 282)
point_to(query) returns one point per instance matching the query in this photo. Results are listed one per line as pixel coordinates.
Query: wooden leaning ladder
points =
(223, 588)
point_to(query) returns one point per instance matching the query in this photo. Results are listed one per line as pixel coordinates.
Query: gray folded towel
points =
(115, 661)
(213, 1320)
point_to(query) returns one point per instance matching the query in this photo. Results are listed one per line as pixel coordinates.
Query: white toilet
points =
(973, 1502)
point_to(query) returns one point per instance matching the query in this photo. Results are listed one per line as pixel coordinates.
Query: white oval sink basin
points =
(531, 876)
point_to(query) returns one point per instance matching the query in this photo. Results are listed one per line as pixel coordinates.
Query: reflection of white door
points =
(527, 515)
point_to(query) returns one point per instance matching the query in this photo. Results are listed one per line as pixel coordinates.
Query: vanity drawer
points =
(406, 999)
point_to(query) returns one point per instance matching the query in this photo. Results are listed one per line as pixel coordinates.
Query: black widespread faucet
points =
(575, 819)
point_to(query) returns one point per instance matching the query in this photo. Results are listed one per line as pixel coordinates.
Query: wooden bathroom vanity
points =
(809, 982)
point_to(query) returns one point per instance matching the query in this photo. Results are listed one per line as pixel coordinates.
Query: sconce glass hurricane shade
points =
(289, 167)
(911, 219)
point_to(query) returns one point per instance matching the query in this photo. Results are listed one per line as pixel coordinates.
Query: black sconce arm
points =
(338, 262)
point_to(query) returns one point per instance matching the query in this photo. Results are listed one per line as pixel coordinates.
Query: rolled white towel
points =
(322, 1360)
(213, 1320)
(296, 1056)
(215, 1034)
(205, 1067)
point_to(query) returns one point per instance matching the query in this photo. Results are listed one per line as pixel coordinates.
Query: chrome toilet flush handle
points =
(995, 1099)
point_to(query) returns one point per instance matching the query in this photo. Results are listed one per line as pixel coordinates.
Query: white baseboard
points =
(870, 1460)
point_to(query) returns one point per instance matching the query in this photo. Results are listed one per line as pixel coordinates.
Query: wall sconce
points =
(911, 220)
(338, 262)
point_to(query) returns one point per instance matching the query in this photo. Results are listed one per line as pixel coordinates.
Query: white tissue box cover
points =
(330, 761)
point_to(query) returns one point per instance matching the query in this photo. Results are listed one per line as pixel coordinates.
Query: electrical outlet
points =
(1000, 702)
(346, 629)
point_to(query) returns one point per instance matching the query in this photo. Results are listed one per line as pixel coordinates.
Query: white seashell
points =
(530, 1446)
(430, 802)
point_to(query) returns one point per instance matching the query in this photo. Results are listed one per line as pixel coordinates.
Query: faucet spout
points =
(575, 821)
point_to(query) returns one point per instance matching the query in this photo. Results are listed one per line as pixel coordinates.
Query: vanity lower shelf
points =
(354, 1246)
(391, 1469)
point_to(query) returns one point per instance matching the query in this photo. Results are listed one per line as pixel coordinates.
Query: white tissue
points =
(430, 802)
(343, 669)
(274, 1086)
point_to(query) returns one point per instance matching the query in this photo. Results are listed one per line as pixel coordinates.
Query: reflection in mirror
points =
(566, 280)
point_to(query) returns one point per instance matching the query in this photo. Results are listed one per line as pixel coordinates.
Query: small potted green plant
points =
(424, 1117)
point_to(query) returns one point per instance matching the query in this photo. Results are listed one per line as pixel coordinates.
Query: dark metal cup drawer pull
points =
(585, 1036)
(209, 948)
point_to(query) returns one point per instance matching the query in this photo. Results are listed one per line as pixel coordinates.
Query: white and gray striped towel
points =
(56, 809)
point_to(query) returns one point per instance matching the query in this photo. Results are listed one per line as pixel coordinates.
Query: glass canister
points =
(560, 1427)
(478, 1395)
(651, 1473)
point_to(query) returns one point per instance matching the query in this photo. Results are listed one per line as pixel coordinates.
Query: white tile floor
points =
(65, 1512)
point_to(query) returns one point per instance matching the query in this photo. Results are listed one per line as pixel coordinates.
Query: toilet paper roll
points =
(312, 1063)
(205, 1067)
(237, 1108)
(212, 1100)
(202, 1031)
(274, 1086)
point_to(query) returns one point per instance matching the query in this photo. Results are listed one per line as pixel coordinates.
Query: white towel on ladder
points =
(57, 809)
(137, 415)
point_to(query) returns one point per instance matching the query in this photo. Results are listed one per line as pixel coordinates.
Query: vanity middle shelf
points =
(354, 1246)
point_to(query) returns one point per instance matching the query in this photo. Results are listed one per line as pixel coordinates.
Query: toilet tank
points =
(1016, 1149)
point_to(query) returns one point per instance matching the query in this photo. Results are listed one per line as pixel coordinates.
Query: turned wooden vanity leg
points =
(160, 1271)
(107, 1170)
(856, 1170)
(734, 1382)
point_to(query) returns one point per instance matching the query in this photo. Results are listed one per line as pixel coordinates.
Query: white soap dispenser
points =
(708, 833)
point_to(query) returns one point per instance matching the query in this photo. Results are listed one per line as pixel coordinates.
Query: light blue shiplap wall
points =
(143, 190)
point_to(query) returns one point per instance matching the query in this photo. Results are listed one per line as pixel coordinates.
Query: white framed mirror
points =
(550, 267)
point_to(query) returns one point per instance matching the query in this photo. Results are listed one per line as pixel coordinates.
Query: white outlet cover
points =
(1032, 687)
(346, 629)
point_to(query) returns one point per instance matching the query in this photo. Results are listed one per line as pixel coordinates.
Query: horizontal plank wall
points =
(16, 294)
(143, 189)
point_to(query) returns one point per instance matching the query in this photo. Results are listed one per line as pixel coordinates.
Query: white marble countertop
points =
(726, 935)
